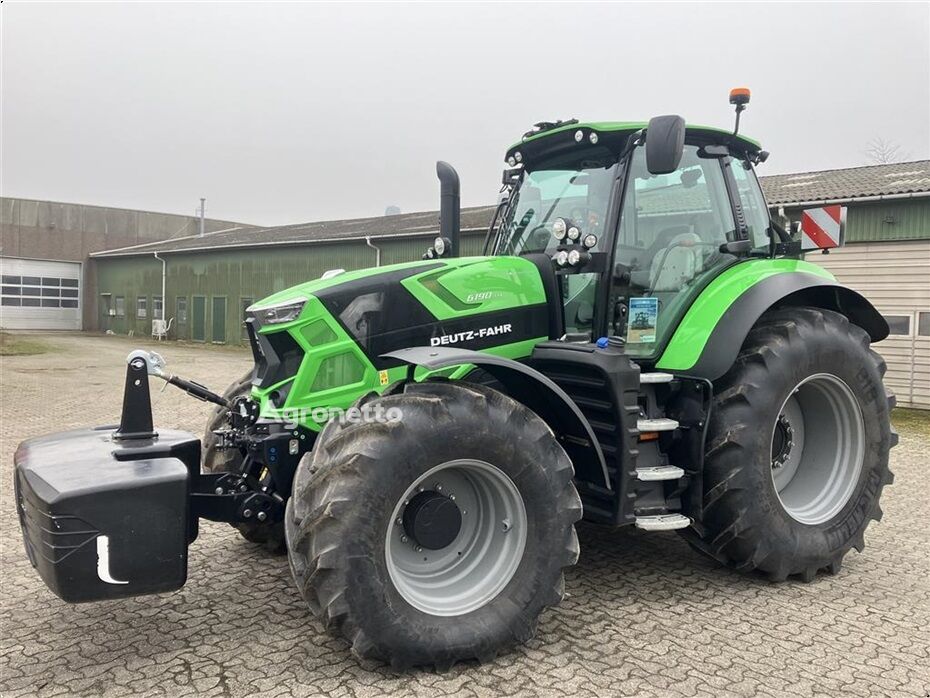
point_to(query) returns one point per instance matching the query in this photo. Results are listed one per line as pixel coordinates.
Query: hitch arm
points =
(155, 366)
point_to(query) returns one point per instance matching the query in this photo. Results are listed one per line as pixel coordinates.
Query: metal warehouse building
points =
(886, 257)
(209, 280)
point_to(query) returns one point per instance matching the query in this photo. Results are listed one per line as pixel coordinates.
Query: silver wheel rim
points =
(818, 446)
(482, 559)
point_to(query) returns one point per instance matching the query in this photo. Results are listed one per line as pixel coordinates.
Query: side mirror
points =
(665, 143)
(795, 229)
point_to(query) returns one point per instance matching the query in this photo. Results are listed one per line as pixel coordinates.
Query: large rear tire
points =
(269, 535)
(437, 537)
(797, 447)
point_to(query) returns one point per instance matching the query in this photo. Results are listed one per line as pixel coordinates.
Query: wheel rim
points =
(818, 446)
(484, 552)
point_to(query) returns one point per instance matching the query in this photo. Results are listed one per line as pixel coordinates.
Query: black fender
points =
(531, 388)
(779, 291)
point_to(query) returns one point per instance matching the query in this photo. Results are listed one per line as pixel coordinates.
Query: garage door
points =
(40, 295)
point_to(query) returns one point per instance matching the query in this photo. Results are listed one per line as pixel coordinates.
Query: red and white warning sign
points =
(823, 228)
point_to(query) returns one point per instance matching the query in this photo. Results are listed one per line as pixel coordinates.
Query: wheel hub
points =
(432, 520)
(782, 442)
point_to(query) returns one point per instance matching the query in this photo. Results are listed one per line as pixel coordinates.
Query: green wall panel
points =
(900, 219)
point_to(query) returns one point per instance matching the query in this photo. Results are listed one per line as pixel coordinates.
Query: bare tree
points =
(883, 152)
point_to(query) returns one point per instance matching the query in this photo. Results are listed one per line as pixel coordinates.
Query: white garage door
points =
(40, 295)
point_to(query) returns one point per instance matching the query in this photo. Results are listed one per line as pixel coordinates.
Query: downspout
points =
(164, 276)
(376, 249)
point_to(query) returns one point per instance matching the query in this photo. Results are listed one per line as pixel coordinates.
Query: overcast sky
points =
(283, 113)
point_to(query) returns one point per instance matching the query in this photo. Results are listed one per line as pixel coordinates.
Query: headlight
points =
(561, 258)
(590, 240)
(279, 312)
(574, 233)
(559, 227)
(439, 244)
(574, 257)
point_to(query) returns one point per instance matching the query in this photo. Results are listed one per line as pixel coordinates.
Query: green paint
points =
(702, 317)
(631, 126)
(472, 285)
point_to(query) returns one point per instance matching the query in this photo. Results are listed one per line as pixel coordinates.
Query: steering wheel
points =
(537, 240)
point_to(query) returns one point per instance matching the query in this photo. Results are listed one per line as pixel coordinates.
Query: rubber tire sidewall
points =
(751, 526)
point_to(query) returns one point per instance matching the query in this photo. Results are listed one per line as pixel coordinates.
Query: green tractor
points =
(640, 345)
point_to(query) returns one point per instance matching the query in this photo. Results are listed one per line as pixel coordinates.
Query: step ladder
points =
(662, 522)
(658, 424)
(653, 378)
(659, 472)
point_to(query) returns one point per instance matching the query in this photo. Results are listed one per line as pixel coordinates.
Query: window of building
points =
(142, 311)
(898, 325)
(158, 310)
(181, 313)
(119, 305)
(923, 324)
(39, 292)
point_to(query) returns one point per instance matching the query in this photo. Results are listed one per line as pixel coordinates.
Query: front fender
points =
(531, 388)
(710, 336)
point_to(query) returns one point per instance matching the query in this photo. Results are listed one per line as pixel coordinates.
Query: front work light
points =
(279, 312)
(559, 228)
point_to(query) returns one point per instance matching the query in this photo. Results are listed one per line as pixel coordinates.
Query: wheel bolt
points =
(399, 521)
(403, 539)
(247, 513)
(218, 490)
(261, 516)
(452, 497)
(418, 549)
(506, 525)
(438, 487)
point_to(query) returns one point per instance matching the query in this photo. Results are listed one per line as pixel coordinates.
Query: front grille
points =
(277, 355)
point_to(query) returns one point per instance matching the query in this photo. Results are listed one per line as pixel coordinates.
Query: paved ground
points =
(645, 615)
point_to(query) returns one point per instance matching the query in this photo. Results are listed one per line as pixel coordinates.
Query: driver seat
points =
(675, 265)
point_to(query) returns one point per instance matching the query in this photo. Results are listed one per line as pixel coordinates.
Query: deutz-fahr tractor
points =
(639, 345)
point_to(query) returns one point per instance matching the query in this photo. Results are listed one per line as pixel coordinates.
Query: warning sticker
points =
(383, 377)
(641, 327)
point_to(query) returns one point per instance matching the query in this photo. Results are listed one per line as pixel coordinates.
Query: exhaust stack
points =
(449, 204)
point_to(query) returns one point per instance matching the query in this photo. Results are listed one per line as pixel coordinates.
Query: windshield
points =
(579, 192)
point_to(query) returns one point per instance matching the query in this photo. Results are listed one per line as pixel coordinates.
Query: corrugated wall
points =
(895, 276)
(238, 276)
(901, 219)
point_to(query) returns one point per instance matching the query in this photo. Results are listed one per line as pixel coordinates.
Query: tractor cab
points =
(632, 230)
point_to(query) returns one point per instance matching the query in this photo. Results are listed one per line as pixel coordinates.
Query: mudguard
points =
(533, 389)
(709, 338)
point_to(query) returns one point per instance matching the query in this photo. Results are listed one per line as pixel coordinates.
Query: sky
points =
(285, 112)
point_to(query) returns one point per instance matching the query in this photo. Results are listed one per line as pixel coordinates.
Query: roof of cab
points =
(621, 127)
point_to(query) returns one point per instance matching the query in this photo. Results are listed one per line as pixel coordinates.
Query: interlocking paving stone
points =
(644, 615)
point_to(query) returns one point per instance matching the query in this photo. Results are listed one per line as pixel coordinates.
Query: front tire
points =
(438, 537)
(797, 447)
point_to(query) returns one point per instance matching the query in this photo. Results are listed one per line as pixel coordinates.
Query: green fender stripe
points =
(689, 340)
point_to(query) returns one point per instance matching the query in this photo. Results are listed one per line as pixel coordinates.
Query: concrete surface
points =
(645, 615)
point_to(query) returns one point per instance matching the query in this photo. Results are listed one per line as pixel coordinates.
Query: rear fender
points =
(719, 350)
(531, 388)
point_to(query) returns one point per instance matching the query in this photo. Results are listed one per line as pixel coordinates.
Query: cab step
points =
(662, 522)
(652, 378)
(659, 472)
(660, 424)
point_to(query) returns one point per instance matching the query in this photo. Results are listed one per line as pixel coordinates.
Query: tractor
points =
(640, 345)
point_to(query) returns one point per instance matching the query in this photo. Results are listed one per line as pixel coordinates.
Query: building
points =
(210, 280)
(886, 256)
(44, 249)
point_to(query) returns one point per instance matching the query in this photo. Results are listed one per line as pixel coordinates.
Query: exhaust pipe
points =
(449, 204)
